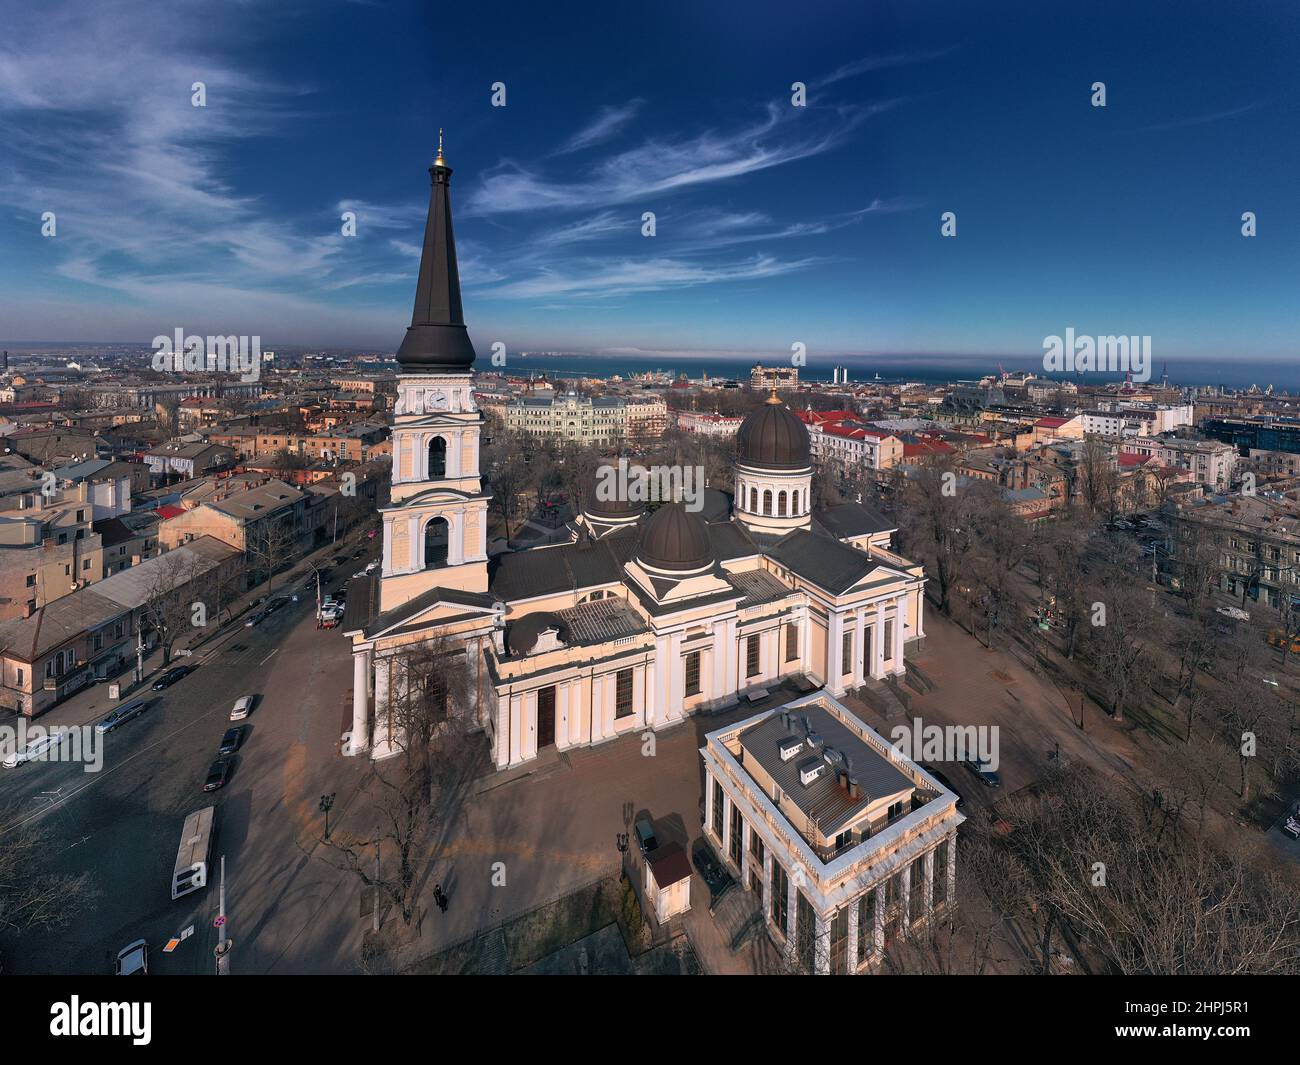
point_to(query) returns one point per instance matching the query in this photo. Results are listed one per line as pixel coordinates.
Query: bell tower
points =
(435, 528)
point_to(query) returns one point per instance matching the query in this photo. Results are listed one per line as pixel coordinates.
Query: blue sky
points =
(775, 224)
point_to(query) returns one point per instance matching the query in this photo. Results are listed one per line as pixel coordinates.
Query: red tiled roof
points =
(1127, 459)
(167, 511)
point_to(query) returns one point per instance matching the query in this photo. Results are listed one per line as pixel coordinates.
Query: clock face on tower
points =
(435, 400)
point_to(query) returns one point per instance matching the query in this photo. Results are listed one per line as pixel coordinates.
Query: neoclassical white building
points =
(645, 616)
(846, 844)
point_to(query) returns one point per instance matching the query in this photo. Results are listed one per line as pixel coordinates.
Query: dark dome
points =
(772, 438)
(522, 635)
(675, 539)
(609, 508)
(436, 348)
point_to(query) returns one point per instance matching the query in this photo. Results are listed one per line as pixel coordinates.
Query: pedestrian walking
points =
(439, 897)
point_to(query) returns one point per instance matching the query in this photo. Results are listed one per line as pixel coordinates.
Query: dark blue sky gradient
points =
(821, 226)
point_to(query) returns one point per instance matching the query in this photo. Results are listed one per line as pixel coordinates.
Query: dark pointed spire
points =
(437, 341)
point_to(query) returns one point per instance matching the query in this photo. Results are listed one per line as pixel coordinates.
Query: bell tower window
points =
(437, 458)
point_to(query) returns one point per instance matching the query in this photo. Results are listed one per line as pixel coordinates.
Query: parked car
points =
(946, 783)
(1234, 612)
(133, 959)
(171, 677)
(645, 835)
(121, 715)
(986, 776)
(32, 751)
(1291, 826)
(217, 774)
(242, 708)
(231, 741)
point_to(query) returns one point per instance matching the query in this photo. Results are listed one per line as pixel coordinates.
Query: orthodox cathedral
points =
(644, 617)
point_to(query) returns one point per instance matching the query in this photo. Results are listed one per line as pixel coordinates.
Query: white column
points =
(708, 801)
(388, 548)
(455, 538)
(878, 657)
(929, 882)
(360, 738)
(851, 948)
(905, 898)
(745, 832)
(562, 714)
(416, 545)
(952, 868)
(879, 930)
(516, 729)
(792, 920)
(765, 884)
(859, 647)
(834, 653)
(899, 617)
(821, 945)
(805, 641)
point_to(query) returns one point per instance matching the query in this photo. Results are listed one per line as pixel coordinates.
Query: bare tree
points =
(168, 608)
(32, 896)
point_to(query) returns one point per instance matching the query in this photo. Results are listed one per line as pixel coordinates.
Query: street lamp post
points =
(326, 801)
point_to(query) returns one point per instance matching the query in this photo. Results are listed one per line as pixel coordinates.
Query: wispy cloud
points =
(880, 62)
(604, 126)
(1204, 119)
(781, 135)
(605, 278)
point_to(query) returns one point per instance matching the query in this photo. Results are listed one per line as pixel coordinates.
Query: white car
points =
(242, 708)
(32, 751)
(133, 959)
(1234, 612)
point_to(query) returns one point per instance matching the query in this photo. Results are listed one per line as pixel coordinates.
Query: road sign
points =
(221, 919)
(172, 944)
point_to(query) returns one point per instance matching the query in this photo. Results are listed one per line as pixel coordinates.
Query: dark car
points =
(171, 677)
(357, 554)
(217, 774)
(645, 835)
(946, 783)
(986, 776)
(121, 715)
(231, 741)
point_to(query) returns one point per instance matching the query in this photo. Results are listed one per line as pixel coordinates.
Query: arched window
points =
(437, 458)
(753, 500)
(767, 501)
(780, 504)
(436, 535)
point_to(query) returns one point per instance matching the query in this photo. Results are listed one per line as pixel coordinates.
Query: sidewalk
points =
(92, 702)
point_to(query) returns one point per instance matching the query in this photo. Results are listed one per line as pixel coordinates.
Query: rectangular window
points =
(916, 894)
(31, 580)
(791, 641)
(893, 889)
(717, 809)
(941, 873)
(737, 835)
(805, 932)
(693, 673)
(780, 899)
(623, 694)
(846, 653)
(751, 656)
(756, 847)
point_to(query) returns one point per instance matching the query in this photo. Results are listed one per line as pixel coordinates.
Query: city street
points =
(123, 824)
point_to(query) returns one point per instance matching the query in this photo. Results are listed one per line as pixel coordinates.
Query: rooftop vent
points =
(810, 771)
(789, 747)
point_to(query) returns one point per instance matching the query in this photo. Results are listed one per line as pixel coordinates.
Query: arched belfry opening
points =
(437, 458)
(437, 534)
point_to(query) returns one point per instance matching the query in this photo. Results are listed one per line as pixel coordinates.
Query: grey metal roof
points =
(605, 619)
(758, 585)
(854, 519)
(824, 801)
(825, 561)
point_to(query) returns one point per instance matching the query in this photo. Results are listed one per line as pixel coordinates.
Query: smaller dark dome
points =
(675, 539)
(522, 635)
(772, 438)
(609, 508)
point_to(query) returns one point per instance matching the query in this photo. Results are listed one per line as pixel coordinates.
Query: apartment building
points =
(585, 419)
(708, 424)
(48, 549)
(763, 378)
(1211, 462)
(839, 437)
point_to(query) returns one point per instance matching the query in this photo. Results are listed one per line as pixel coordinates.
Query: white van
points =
(32, 751)
(242, 708)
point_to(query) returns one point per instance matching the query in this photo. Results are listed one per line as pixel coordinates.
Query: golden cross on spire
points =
(439, 159)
